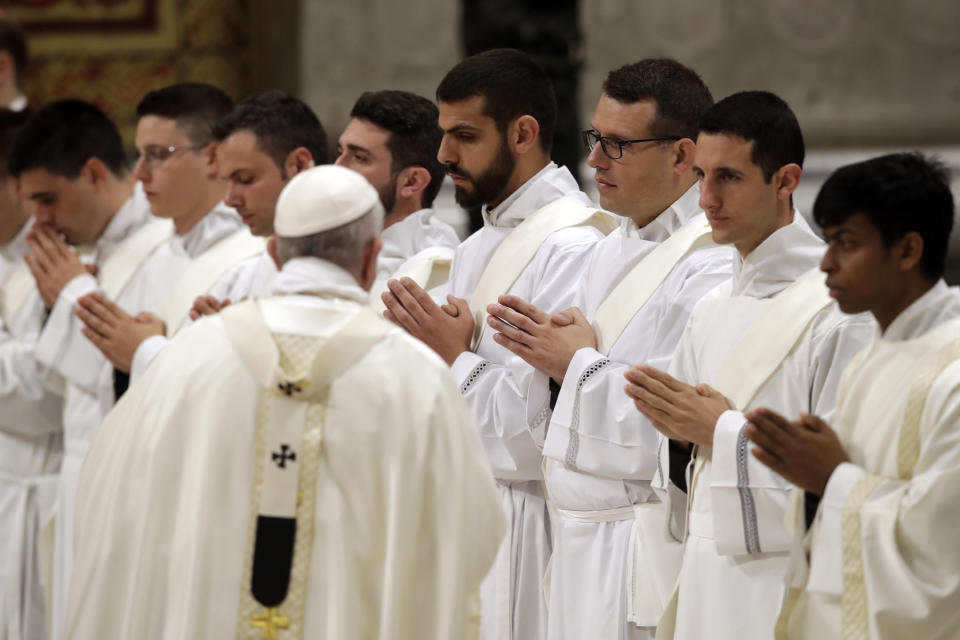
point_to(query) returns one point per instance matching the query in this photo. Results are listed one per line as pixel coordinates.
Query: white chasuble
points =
(136, 279)
(30, 448)
(883, 554)
(736, 544)
(510, 405)
(613, 567)
(396, 518)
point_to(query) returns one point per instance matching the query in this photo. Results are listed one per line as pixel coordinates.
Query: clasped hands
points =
(113, 331)
(804, 451)
(547, 342)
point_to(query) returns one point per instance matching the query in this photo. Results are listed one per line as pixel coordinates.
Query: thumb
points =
(91, 269)
(451, 307)
(563, 318)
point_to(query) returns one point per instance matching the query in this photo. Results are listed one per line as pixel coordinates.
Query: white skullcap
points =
(323, 198)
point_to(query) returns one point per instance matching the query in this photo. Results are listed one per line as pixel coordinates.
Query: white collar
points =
(939, 304)
(220, 222)
(682, 211)
(785, 255)
(313, 276)
(134, 213)
(549, 184)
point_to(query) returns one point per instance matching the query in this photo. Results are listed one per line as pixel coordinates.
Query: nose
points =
(140, 170)
(342, 160)
(233, 196)
(709, 198)
(828, 263)
(597, 159)
(445, 154)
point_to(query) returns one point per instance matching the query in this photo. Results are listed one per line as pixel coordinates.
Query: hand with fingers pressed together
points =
(446, 329)
(52, 262)
(546, 342)
(680, 411)
(115, 332)
(207, 306)
(805, 451)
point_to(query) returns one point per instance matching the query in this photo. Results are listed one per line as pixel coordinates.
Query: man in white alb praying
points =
(392, 140)
(143, 275)
(878, 490)
(275, 475)
(771, 336)
(613, 567)
(497, 112)
(31, 442)
(262, 143)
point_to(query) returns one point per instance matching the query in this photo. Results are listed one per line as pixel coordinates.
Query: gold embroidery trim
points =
(855, 613)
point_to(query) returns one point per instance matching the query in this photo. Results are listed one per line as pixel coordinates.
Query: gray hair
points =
(344, 246)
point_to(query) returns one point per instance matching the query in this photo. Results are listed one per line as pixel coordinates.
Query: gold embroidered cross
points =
(270, 621)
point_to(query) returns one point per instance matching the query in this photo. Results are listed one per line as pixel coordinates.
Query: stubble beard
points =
(487, 186)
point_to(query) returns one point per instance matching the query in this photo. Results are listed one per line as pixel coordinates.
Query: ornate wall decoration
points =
(112, 52)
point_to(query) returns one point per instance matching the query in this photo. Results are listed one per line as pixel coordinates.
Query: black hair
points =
(196, 106)
(765, 120)
(512, 85)
(279, 122)
(10, 124)
(899, 193)
(414, 133)
(62, 136)
(680, 96)
(13, 41)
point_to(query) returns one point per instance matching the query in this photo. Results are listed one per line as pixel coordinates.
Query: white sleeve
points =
(145, 354)
(510, 405)
(826, 564)
(29, 409)
(62, 348)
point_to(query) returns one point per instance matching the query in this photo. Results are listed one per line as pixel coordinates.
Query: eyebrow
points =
(40, 194)
(731, 170)
(461, 127)
(356, 147)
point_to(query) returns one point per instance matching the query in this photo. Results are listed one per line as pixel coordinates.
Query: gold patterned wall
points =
(112, 52)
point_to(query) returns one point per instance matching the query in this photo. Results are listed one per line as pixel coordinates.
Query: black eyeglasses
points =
(612, 148)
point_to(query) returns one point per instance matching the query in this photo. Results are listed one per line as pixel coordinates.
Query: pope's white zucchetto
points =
(323, 198)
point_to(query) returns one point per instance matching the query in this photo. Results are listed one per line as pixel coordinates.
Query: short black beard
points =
(488, 186)
(388, 194)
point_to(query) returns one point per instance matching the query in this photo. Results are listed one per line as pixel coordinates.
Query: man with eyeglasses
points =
(497, 112)
(612, 566)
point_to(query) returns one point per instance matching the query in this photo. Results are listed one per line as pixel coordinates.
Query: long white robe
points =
(509, 400)
(406, 517)
(30, 452)
(600, 452)
(883, 552)
(89, 392)
(724, 590)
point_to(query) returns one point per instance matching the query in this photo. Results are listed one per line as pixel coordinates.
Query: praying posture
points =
(31, 442)
(75, 181)
(497, 112)
(612, 568)
(272, 472)
(261, 144)
(771, 336)
(880, 559)
(392, 140)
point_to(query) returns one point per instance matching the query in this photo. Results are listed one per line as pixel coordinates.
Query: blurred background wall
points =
(864, 76)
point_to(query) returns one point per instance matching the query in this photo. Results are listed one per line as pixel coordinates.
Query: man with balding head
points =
(272, 471)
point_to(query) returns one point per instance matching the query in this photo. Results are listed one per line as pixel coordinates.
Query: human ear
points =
(909, 251)
(683, 155)
(300, 159)
(787, 178)
(412, 181)
(369, 271)
(209, 153)
(524, 133)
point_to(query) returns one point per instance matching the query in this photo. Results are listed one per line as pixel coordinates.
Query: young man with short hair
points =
(74, 178)
(497, 112)
(392, 140)
(31, 442)
(880, 558)
(637, 287)
(769, 336)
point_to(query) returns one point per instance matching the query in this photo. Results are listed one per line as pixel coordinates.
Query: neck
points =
(8, 93)
(16, 227)
(118, 191)
(679, 187)
(783, 217)
(526, 168)
(400, 212)
(891, 309)
(182, 224)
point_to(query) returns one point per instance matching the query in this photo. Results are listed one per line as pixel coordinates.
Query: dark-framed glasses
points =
(154, 155)
(613, 148)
